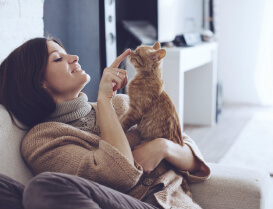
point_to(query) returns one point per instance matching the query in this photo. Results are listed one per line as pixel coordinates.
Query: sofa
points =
(227, 188)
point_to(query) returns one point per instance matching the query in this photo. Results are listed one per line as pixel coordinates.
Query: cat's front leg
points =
(129, 119)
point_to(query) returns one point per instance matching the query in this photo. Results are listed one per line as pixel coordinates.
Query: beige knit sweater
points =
(59, 147)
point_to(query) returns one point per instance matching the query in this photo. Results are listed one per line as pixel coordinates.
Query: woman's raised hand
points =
(113, 78)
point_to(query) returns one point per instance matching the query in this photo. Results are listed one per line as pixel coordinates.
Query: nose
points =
(73, 59)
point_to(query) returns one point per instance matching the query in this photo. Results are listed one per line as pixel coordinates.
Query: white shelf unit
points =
(190, 78)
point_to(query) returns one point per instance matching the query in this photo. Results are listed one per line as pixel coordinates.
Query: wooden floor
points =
(215, 141)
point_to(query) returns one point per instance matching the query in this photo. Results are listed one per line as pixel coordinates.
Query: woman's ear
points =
(158, 55)
(156, 46)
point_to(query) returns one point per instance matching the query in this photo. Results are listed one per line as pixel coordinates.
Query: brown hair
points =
(21, 77)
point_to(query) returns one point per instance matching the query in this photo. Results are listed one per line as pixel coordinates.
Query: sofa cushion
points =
(231, 187)
(12, 164)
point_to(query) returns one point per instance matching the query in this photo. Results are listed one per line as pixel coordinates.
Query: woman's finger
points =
(120, 73)
(117, 81)
(119, 59)
(117, 71)
(125, 81)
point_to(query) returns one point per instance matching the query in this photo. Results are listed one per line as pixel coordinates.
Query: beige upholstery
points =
(233, 187)
(12, 163)
(227, 188)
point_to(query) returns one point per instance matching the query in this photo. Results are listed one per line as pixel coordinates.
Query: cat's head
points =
(146, 57)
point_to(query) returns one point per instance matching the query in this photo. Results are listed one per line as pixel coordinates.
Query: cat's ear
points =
(156, 46)
(158, 55)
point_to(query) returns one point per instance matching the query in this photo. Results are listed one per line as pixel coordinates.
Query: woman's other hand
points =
(113, 78)
(150, 154)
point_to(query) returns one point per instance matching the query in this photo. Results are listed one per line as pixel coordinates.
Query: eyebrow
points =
(54, 51)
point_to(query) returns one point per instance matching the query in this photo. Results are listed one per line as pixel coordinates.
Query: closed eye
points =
(58, 60)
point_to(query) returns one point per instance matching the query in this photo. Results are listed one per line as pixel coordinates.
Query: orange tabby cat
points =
(150, 106)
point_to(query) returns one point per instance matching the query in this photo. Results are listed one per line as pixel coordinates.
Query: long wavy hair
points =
(21, 77)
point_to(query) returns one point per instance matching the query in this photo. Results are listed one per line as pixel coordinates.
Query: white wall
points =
(239, 34)
(20, 20)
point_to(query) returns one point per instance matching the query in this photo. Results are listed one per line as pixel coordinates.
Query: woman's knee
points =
(11, 193)
(36, 190)
(40, 182)
(50, 190)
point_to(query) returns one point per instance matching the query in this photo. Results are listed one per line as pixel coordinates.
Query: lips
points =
(78, 68)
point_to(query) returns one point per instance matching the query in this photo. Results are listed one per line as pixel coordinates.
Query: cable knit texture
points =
(71, 110)
(78, 113)
(61, 147)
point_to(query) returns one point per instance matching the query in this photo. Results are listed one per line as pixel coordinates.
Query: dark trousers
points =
(11, 193)
(62, 191)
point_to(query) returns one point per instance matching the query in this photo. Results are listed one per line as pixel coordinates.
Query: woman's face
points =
(64, 78)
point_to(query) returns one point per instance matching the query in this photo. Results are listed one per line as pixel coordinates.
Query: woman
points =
(40, 84)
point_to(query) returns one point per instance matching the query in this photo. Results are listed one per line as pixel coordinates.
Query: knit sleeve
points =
(204, 170)
(120, 103)
(108, 166)
(62, 148)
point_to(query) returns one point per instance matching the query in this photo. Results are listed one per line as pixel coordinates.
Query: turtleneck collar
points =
(71, 110)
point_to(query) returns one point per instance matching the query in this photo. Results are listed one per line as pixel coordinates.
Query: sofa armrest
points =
(233, 188)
